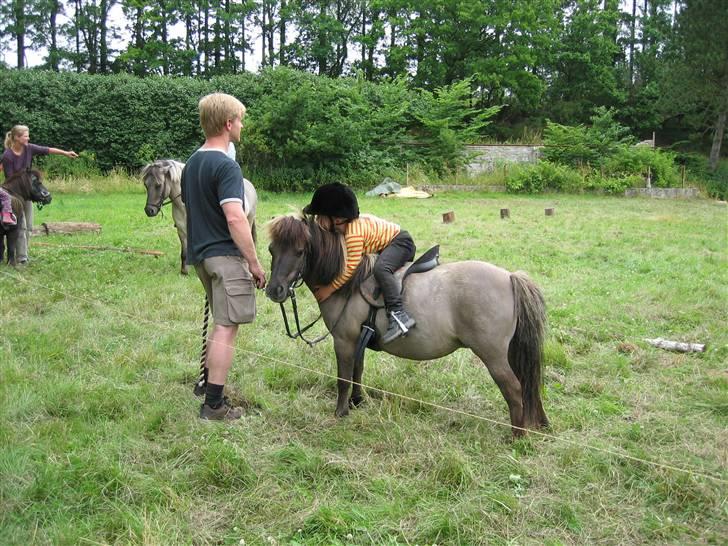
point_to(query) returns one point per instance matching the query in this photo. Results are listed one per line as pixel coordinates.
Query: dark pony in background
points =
(497, 314)
(25, 185)
(163, 182)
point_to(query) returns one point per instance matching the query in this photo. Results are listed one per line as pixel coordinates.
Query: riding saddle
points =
(372, 294)
(370, 288)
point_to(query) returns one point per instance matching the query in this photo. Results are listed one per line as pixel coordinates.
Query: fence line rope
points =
(575, 443)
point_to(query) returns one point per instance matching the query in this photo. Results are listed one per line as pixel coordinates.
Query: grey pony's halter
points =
(169, 199)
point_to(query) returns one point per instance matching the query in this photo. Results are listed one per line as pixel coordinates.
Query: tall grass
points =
(102, 444)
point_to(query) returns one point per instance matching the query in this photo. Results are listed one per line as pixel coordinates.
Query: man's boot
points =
(399, 324)
(224, 412)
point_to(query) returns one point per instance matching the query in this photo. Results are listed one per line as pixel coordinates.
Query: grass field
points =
(102, 444)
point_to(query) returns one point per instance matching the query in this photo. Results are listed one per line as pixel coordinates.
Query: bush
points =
(606, 147)
(585, 146)
(635, 161)
(544, 176)
(55, 166)
(612, 184)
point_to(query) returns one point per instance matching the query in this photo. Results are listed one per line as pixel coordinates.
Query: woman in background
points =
(17, 156)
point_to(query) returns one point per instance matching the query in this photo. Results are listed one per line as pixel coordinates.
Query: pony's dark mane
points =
(325, 251)
(20, 181)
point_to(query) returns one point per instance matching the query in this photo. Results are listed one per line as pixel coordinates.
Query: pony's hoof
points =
(355, 402)
(341, 412)
(518, 433)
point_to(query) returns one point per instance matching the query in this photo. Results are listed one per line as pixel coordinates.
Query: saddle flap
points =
(370, 287)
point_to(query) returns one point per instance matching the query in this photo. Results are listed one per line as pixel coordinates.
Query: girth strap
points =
(367, 336)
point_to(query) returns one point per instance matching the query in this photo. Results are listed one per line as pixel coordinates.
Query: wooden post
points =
(448, 217)
(682, 174)
(505, 213)
(649, 177)
(549, 211)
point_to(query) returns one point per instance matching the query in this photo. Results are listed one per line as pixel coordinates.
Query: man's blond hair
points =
(216, 109)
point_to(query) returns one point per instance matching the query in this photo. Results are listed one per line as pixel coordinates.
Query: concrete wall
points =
(487, 158)
(662, 193)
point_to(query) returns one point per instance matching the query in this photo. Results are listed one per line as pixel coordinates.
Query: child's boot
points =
(8, 219)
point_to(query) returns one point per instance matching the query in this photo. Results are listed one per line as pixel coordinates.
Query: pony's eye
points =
(299, 253)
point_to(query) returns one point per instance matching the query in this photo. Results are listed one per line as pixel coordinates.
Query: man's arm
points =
(240, 231)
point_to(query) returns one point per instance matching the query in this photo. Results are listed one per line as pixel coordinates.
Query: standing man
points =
(219, 243)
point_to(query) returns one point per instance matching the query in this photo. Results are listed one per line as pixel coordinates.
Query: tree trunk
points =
(105, 7)
(262, 35)
(633, 24)
(206, 7)
(217, 31)
(19, 9)
(243, 43)
(189, 40)
(271, 32)
(77, 31)
(229, 57)
(51, 228)
(165, 51)
(138, 38)
(53, 55)
(282, 34)
(363, 34)
(717, 141)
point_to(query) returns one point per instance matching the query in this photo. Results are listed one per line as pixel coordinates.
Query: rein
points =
(297, 282)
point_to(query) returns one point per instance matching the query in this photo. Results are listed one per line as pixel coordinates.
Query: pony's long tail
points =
(201, 384)
(525, 352)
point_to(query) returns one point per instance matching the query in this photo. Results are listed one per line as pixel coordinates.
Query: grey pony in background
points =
(163, 181)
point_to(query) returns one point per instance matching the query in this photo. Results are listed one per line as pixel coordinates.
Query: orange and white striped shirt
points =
(365, 235)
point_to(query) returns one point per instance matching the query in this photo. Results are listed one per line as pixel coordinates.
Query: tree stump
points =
(549, 211)
(505, 213)
(448, 217)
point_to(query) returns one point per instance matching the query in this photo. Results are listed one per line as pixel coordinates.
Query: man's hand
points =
(258, 274)
(322, 293)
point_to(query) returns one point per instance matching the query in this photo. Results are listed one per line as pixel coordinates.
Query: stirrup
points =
(401, 324)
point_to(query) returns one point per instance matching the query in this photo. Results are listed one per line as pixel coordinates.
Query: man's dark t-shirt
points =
(210, 179)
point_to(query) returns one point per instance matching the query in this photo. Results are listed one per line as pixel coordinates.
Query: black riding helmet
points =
(333, 199)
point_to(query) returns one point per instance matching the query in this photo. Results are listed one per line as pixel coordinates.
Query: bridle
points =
(296, 283)
(162, 202)
(33, 180)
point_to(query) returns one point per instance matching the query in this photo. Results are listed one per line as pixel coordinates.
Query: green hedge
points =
(300, 130)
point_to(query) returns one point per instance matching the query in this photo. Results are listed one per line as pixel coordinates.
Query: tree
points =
(695, 81)
(583, 68)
